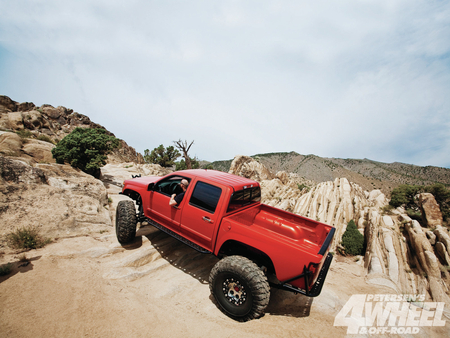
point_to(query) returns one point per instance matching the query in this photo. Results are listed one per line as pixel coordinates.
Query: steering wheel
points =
(173, 187)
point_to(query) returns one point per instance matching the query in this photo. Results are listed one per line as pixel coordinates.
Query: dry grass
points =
(26, 238)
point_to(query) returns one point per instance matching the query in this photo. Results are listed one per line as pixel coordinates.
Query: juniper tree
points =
(85, 149)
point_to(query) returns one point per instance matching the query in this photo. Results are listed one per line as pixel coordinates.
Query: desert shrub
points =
(24, 133)
(86, 149)
(387, 209)
(403, 195)
(5, 269)
(45, 138)
(414, 214)
(182, 164)
(23, 258)
(352, 240)
(165, 157)
(26, 238)
(208, 166)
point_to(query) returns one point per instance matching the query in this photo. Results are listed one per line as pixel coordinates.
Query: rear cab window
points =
(205, 196)
(244, 197)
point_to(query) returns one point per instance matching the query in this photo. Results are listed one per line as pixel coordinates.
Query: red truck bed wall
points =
(291, 241)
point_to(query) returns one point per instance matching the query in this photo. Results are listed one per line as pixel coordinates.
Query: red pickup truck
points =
(221, 214)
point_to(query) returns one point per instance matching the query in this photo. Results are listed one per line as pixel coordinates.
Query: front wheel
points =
(126, 222)
(239, 287)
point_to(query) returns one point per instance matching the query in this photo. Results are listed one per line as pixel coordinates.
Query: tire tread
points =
(255, 278)
(126, 222)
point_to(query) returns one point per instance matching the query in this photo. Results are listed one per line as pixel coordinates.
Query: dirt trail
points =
(156, 287)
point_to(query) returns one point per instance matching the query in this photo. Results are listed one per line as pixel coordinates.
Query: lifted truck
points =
(221, 214)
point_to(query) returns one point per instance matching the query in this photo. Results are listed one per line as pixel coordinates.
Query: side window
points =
(170, 185)
(205, 196)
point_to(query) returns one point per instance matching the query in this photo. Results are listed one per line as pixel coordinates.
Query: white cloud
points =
(338, 79)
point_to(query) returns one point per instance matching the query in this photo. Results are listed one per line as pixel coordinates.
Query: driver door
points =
(159, 208)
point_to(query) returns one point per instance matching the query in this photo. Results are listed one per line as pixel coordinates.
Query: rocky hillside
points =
(366, 173)
(49, 125)
(401, 254)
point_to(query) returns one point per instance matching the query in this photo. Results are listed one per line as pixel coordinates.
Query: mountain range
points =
(367, 173)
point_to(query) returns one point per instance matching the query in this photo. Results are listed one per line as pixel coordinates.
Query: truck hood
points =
(141, 181)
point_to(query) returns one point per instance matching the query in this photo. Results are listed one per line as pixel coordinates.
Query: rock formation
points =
(247, 167)
(28, 149)
(52, 125)
(58, 199)
(431, 213)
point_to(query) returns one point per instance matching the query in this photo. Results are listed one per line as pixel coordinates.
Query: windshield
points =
(244, 197)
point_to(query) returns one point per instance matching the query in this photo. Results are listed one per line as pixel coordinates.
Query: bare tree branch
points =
(184, 147)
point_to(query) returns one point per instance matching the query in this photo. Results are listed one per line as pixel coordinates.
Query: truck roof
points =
(235, 181)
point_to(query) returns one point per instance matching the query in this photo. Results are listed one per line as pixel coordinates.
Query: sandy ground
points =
(157, 287)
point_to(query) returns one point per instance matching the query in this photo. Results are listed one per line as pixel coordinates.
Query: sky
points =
(345, 79)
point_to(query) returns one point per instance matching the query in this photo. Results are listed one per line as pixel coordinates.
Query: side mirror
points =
(151, 187)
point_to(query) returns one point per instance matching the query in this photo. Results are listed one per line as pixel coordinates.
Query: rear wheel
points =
(126, 221)
(239, 287)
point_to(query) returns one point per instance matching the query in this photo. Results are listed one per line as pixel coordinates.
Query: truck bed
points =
(303, 230)
(304, 242)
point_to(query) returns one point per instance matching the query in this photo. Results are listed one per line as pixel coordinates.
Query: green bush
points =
(208, 166)
(387, 209)
(302, 186)
(24, 133)
(86, 149)
(26, 238)
(414, 214)
(45, 138)
(5, 269)
(404, 195)
(352, 240)
(165, 157)
(182, 164)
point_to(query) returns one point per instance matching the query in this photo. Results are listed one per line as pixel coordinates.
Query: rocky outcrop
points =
(442, 236)
(28, 149)
(58, 199)
(14, 172)
(441, 252)
(125, 154)
(431, 213)
(10, 144)
(246, 166)
(53, 124)
(38, 151)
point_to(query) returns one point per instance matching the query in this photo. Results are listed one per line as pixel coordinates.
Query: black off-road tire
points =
(239, 287)
(126, 222)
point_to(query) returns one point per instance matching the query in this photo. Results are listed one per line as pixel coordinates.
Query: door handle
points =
(206, 219)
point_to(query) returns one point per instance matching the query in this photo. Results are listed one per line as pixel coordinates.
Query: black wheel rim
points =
(233, 294)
